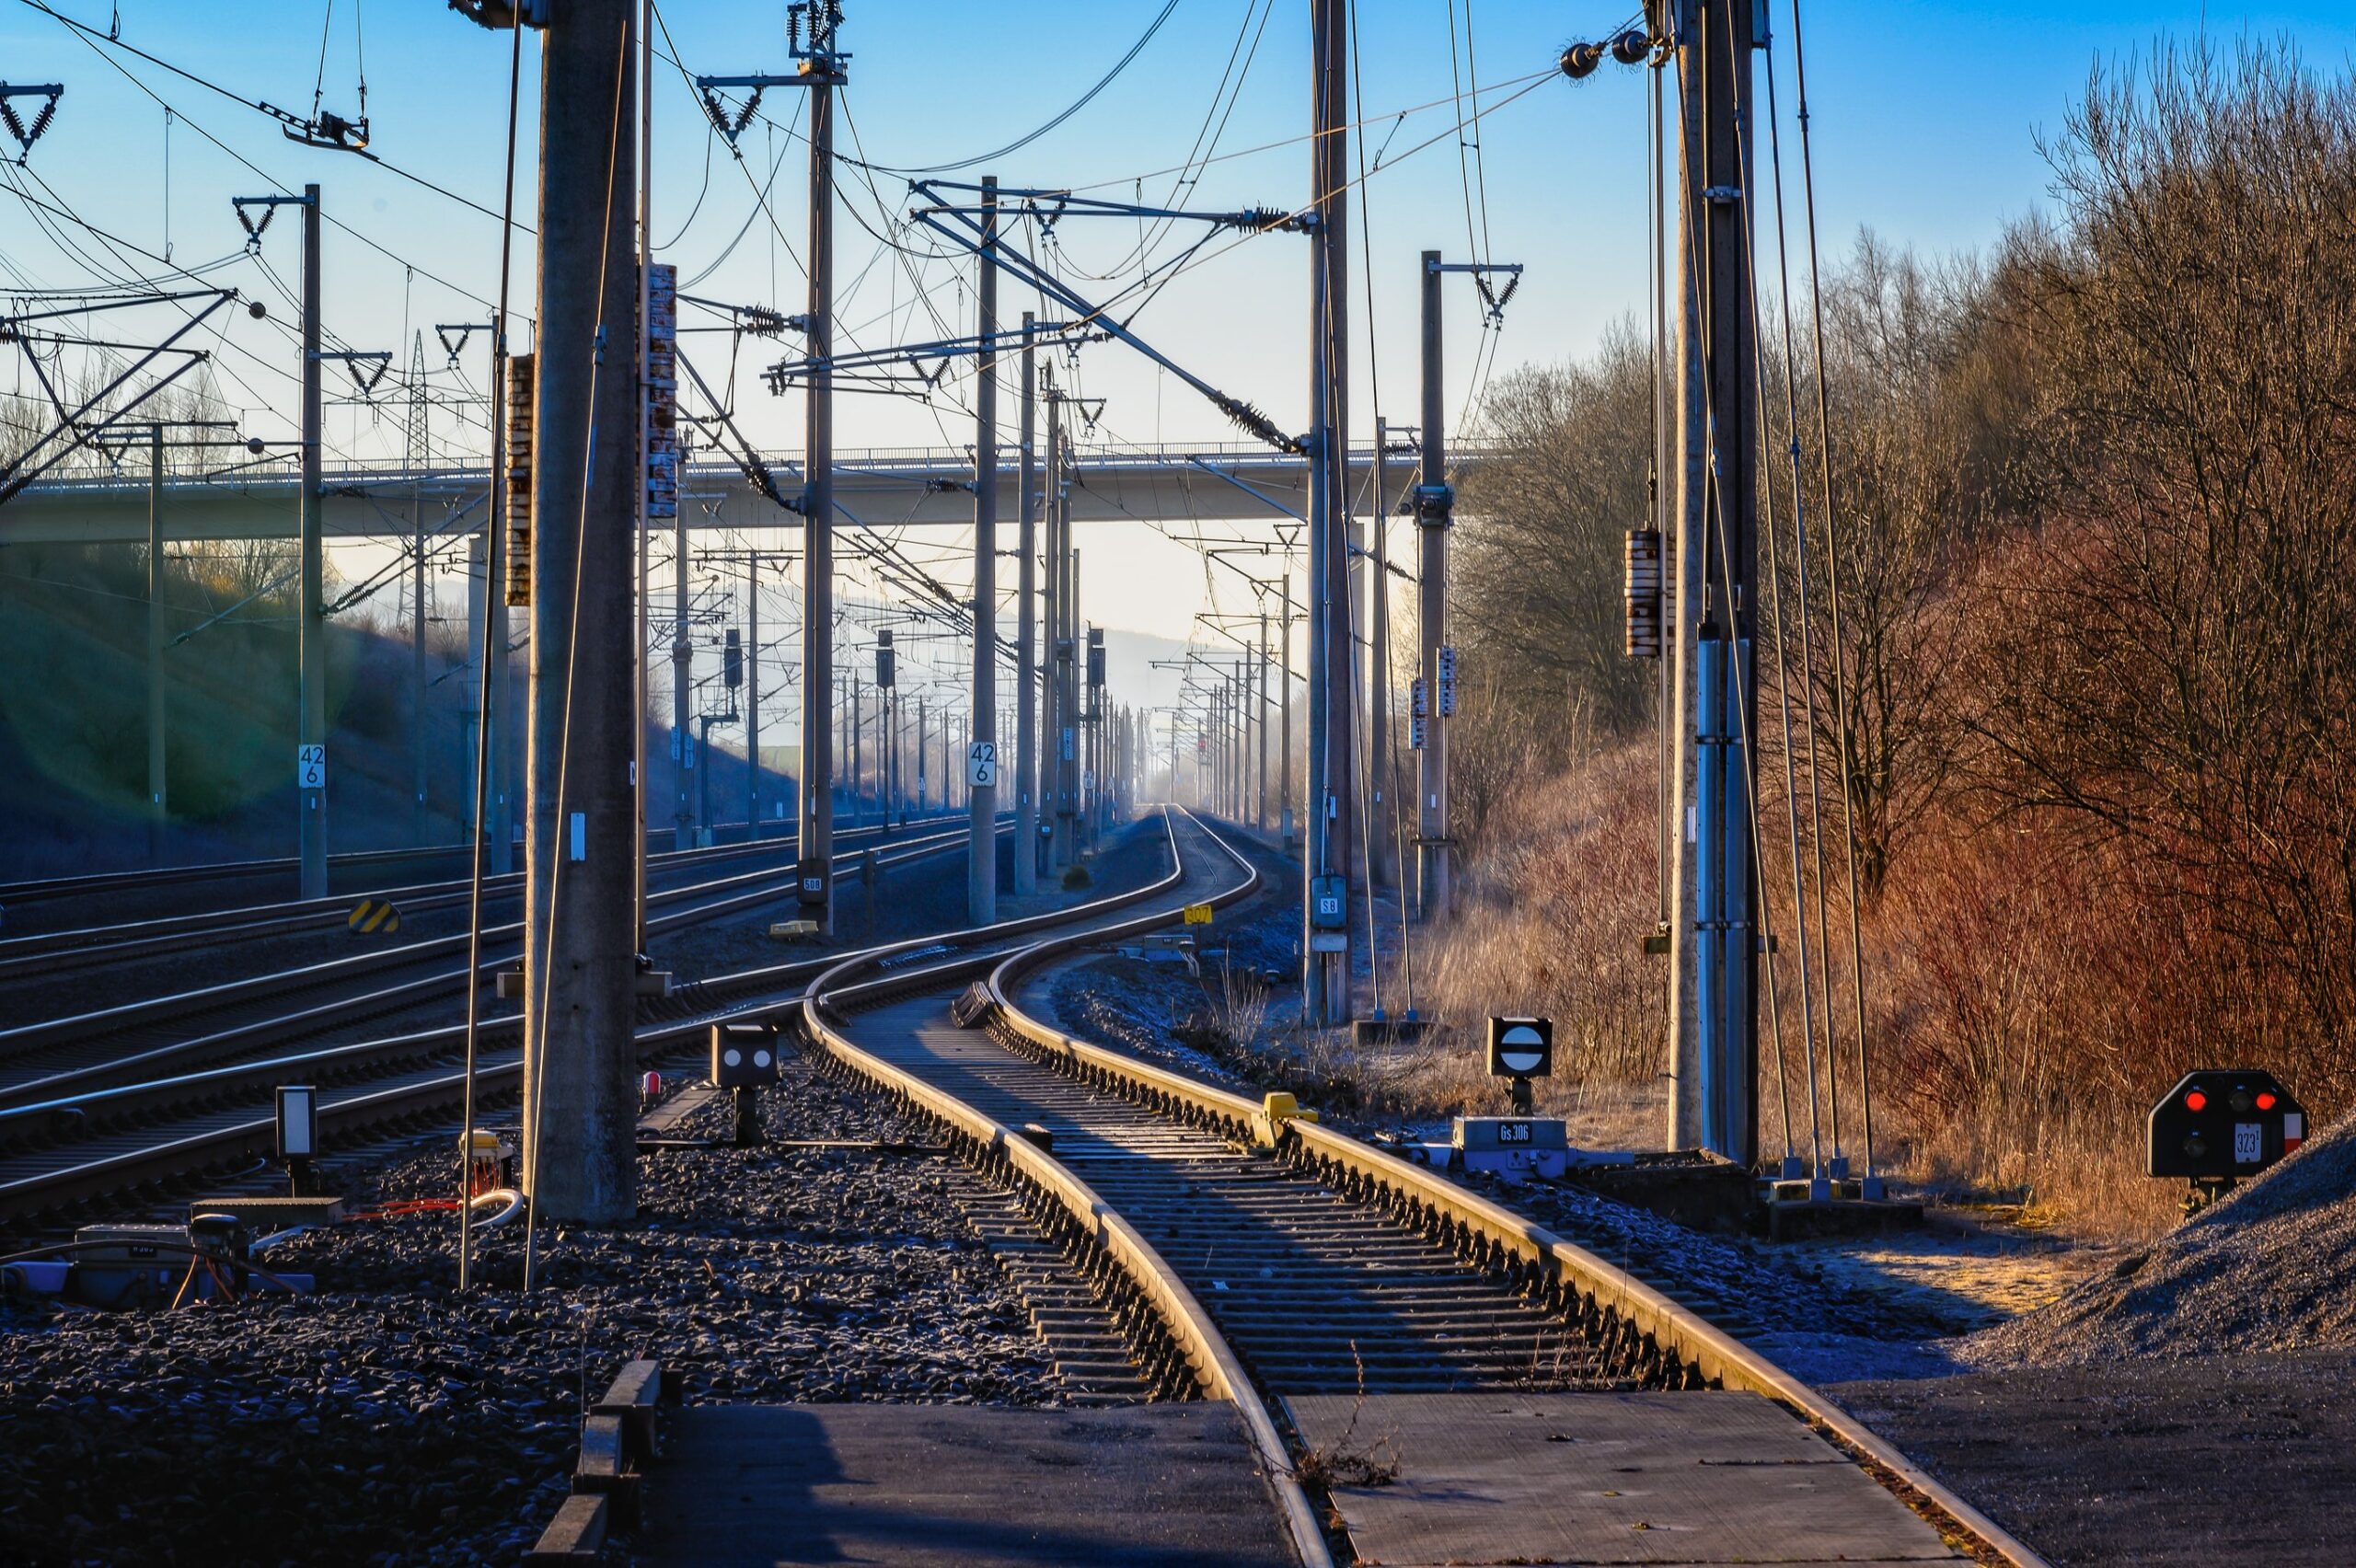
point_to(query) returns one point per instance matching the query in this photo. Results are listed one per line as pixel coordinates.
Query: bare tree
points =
(2169, 666)
(1911, 493)
(1545, 528)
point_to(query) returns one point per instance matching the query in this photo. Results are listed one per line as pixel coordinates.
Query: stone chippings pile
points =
(2272, 1266)
(388, 1420)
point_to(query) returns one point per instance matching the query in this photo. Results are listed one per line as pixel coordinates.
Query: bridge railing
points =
(393, 474)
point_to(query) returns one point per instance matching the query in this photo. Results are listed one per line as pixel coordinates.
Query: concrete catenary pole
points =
(498, 709)
(1078, 695)
(683, 658)
(1435, 514)
(1059, 725)
(158, 816)
(311, 735)
(981, 798)
(478, 580)
(752, 696)
(1026, 649)
(896, 799)
(1260, 714)
(1284, 748)
(1099, 763)
(1332, 813)
(420, 741)
(580, 1062)
(1382, 785)
(1713, 1043)
(1232, 716)
(642, 653)
(506, 728)
(822, 70)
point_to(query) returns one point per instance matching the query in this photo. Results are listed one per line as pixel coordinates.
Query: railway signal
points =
(1521, 1047)
(298, 1134)
(2219, 1126)
(1519, 1050)
(743, 1062)
(1521, 1144)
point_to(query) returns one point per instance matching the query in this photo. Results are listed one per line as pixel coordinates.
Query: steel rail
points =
(281, 1028)
(190, 1150)
(36, 889)
(1214, 1366)
(1496, 1238)
(49, 952)
(183, 1006)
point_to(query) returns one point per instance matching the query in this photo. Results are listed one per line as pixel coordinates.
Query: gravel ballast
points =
(386, 1420)
(2269, 1267)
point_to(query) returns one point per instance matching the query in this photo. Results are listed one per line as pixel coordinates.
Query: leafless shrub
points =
(1542, 536)
(2096, 541)
(2166, 668)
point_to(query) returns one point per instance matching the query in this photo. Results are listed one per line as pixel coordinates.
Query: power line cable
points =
(1074, 108)
(87, 36)
(93, 37)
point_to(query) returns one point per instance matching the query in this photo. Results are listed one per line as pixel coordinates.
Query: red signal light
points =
(2265, 1100)
(2196, 1101)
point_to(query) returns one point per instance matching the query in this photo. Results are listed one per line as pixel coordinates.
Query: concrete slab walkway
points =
(954, 1486)
(1696, 1480)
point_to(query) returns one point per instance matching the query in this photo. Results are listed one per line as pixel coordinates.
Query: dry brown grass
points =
(1552, 919)
(2025, 1002)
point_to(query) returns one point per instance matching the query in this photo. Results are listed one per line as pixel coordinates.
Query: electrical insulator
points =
(1419, 703)
(1415, 733)
(1644, 593)
(1448, 683)
(520, 383)
(732, 660)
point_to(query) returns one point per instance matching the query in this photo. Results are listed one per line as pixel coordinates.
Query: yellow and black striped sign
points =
(374, 917)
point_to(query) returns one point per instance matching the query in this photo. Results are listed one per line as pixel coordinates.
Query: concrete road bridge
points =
(881, 487)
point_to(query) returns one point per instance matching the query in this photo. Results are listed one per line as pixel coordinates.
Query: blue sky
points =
(1926, 114)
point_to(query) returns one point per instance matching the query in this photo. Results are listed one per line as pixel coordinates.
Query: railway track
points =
(49, 954)
(1255, 1256)
(103, 1130)
(43, 890)
(1240, 1253)
(40, 893)
(82, 1050)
